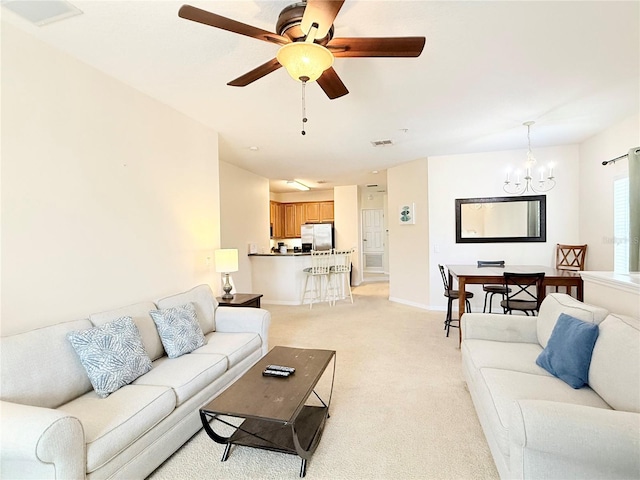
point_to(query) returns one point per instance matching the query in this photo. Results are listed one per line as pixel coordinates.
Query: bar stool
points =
(319, 273)
(451, 296)
(340, 275)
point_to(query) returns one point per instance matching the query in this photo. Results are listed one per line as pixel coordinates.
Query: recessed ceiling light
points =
(254, 149)
(374, 171)
(381, 143)
(321, 181)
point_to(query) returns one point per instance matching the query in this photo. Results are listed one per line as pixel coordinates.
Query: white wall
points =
(108, 197)
(347, 225)
(244, 218)
(596, 188)
(409, 244)
(482, 175)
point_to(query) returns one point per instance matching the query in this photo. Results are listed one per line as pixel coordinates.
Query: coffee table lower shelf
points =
(300, 438)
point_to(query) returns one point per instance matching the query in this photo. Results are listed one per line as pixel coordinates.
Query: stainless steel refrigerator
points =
(317, 236)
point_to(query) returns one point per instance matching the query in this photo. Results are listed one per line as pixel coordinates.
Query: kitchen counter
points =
(279, 276)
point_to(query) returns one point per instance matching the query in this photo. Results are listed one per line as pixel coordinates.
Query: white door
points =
(373, 240)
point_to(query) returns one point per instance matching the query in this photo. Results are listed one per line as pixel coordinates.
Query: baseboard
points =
(406, 302)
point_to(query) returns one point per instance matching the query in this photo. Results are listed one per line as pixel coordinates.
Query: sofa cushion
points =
(113, 423)
(203, 300)
(555, 304)
(498, 388)
(516, 356)
(41, 368)
(615, 363)
(139, 312)
(179, 329)
(568, 352)
(235, 346)
(112, 354)
(186, 375)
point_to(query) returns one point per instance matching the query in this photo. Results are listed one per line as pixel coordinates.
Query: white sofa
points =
(54, 425)
(536, 425)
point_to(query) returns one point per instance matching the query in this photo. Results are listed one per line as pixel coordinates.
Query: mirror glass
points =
(501, 219)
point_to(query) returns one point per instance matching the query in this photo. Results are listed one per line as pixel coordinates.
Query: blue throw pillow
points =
(568, 353)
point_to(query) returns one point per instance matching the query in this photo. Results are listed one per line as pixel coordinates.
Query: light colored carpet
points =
(400, 408)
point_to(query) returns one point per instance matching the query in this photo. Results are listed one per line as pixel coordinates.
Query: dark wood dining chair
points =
(526, 292)
(571, 257)
(452, 295)
(491, 290)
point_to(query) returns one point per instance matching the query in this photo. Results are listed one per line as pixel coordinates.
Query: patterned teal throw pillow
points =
(179, 329)
(112, 354)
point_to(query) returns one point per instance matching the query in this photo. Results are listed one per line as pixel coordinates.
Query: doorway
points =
(373, 245)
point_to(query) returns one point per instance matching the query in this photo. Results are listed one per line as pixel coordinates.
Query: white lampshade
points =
(226, 260)
(304, 59)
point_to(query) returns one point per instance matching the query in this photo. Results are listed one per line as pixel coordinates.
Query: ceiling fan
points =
(309, 24)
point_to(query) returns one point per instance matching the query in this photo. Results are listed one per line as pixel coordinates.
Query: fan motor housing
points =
(289, 21)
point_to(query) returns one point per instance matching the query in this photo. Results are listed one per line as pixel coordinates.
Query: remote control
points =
(280, 368)
(275, 373)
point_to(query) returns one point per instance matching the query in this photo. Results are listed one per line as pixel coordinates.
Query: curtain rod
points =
(607, 162)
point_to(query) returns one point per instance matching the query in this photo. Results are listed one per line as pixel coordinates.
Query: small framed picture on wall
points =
(407, 214)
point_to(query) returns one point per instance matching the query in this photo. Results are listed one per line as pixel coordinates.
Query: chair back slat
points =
(342, 261)
(524, 287)
(321, 261)
(445, 281)
(570, 257)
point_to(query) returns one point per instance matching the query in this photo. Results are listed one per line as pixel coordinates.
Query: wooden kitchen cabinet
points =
(277, 220)
(300, 218)
(290, 220)
(326, 211)
(312, 211)
(286, 218)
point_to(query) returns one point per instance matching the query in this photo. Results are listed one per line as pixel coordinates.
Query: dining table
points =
(474, 274)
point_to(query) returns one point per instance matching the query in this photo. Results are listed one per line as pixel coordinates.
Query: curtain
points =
(634, 209)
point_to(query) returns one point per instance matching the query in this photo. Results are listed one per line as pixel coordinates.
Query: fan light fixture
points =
(546, 181)
(298, 185)
(304, 61)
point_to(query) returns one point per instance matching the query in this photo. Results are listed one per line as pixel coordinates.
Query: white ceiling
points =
(487, 67)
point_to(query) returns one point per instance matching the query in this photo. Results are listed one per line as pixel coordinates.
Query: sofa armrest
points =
(561, 440)
(41, 443)
(501, 328)
(245, 319)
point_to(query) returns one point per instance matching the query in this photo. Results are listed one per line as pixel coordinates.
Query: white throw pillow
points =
(112, 354)
(179, 329)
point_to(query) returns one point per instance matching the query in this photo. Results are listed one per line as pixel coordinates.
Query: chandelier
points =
(546, 180)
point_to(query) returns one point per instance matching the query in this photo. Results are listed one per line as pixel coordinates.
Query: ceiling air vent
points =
(381, 143)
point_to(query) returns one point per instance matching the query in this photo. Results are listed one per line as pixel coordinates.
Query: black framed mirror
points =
(501, 219)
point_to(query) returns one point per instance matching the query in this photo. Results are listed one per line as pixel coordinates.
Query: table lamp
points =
(226, 262)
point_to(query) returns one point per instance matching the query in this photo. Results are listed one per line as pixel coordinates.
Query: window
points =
(621, 225)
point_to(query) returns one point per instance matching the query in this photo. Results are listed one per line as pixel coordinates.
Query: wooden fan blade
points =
(214, 20)
(377, 47)
(255, 74)
(331, 84)
(322, 12)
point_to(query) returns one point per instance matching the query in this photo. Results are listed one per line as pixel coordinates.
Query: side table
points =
(241, 300)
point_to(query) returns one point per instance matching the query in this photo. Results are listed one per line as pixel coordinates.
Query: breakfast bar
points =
(279, 276)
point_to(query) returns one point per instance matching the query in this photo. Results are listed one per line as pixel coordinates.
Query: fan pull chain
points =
(304, 110)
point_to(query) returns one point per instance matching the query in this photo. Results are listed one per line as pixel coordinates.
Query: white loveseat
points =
(536, 425)
(55, 426)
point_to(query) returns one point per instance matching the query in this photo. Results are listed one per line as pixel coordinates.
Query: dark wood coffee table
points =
(278, 412)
